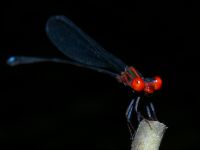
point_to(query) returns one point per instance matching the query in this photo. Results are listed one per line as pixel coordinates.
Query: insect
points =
(83, 51)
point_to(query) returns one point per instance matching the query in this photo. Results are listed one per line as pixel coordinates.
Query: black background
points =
(56, 106)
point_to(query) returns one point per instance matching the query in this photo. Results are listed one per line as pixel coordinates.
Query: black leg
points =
(129, 109)
(133, 108)
(128, 117)
(148, 111)
(133, 105)
(151, 111)
(139, 116)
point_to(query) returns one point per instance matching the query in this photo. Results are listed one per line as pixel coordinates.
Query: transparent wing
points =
(79, 47)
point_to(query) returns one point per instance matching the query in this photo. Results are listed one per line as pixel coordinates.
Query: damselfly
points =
(83, 51)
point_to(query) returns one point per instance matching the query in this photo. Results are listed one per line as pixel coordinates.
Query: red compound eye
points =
(157, 83)
(138, 84)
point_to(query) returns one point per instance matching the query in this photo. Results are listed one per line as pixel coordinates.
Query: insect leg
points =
(133, 105)
(133, 108)
(153, 111)
(128, 117)
(148, 111)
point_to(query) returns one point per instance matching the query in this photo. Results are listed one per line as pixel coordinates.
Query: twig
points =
(148, 135)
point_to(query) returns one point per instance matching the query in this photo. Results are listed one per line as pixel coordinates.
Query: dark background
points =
(56, 106)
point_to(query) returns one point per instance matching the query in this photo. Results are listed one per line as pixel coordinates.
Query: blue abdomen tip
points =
(11, 60)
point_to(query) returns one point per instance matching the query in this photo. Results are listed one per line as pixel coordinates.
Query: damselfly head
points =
(147, 85)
